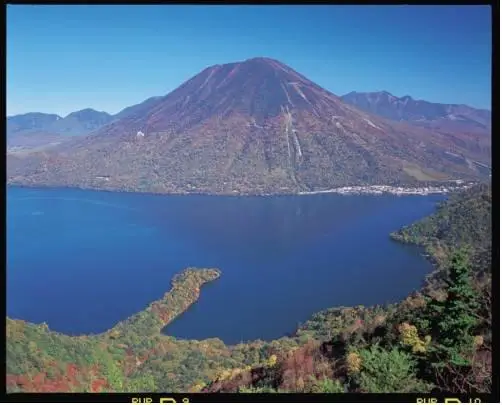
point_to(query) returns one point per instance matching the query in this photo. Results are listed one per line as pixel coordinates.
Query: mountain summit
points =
(249, 127)
(445, 117)
(259, 88)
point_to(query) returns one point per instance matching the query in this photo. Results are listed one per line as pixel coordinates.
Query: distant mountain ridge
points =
(33, 130)
(251, 127)
(450, 117)
(75, 123)
(36, 129)
(30, 121)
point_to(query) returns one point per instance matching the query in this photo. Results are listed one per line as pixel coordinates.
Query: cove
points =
(84, 260)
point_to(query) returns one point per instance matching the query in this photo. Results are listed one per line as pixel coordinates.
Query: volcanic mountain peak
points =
(255, 126)
(259, 71)
(260, 62)
(257, 88)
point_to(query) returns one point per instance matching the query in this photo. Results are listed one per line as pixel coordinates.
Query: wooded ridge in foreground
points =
(436, 339)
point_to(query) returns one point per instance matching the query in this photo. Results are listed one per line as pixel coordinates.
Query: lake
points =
(83, 260)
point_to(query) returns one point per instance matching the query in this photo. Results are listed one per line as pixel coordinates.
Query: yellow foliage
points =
(478, 341)
(198, 387)
(409, 337)
(235, 372)
(272, 361)
(354, 363)
(228, 374)
(114, 334)
(32, 346)
(300, 384)
(224, 375)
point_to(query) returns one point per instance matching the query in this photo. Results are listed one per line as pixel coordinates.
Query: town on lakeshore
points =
(455, 185)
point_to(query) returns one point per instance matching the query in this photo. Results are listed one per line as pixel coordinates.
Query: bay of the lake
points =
(83, 260)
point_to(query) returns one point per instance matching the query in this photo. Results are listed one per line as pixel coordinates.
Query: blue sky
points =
(65, 58)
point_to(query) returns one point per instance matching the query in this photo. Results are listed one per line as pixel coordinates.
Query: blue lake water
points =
(83, 260)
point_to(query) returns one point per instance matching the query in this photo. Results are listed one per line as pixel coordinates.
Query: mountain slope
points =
(250, 127)
(464, 219)
(394, 348)
(448, 117)
(81, 122)
(137, 108)
(33, 130)
(30, 122)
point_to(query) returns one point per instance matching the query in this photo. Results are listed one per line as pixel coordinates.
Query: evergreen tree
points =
(453, 320)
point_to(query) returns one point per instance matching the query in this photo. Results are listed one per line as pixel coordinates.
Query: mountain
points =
(30, 122)
(464, 219)
(452, 117)
(251, 127)
(81, 122)
(39, 130)
(33, 130)
(138, 108)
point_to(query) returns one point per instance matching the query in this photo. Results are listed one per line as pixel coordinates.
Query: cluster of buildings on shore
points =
(397, 190)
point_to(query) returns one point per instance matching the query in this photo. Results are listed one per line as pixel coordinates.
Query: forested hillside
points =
(438, 338)
(464, 220)
(252, 127)
(133, 356)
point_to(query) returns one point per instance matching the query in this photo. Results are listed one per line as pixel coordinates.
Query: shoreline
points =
(158, 314)
(394, 190)
(444, 188)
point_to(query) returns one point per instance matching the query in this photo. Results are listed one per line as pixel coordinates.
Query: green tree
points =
(328, 386)
(452, 321)
(384, 371)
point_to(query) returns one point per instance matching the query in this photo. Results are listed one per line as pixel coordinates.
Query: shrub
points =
(409, 337)
(328, 386)
(388, 371)
(353, 363)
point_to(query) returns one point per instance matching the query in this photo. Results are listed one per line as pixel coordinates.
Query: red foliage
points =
(71, 370)
(164, 317)
(98, 385)
(297, 368)
(23, 380)
(10, 380)
(39, 379)
(60, 382)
